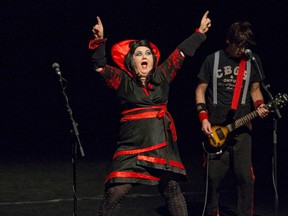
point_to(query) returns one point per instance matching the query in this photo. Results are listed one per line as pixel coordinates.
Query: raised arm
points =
(98, 44)
(191, 44)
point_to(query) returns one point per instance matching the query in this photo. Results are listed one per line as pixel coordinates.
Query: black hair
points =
(240, 34)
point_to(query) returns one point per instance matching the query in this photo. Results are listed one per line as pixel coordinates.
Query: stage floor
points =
(45, 187)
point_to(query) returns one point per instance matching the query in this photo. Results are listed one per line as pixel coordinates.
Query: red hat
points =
(121, 49)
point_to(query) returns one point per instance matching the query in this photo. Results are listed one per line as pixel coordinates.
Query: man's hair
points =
(240, 34)
(133, 45)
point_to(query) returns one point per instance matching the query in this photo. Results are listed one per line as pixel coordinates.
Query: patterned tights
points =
(170, 190)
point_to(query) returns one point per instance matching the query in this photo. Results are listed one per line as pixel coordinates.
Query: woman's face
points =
(142, 61)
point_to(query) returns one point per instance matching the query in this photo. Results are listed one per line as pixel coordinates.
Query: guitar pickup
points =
(220, 133)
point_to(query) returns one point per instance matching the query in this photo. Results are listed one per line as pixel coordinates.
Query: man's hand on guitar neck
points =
(262, 111)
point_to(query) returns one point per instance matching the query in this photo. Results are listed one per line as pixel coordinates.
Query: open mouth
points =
(144, 64)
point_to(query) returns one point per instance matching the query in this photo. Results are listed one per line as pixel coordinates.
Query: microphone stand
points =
(74, 146)
(274, 158)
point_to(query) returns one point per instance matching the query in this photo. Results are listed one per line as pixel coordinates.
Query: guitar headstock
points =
(280, 101)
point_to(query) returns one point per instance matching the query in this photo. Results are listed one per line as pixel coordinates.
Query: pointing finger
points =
(99, 21)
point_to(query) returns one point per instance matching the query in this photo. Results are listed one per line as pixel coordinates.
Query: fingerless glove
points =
(191, 44)
(99, 55)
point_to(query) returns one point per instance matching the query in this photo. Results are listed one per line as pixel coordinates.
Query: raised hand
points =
(98, 29)
(205, 23)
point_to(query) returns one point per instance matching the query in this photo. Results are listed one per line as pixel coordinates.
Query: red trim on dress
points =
(95, 43)
(145, 91)
(176, 164)
(131, 175)
(152, 159)
(160, 161)
(138, 151)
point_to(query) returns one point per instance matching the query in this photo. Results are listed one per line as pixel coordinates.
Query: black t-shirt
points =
(226, 79)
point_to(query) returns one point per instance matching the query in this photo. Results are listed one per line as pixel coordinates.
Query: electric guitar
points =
(216, 141)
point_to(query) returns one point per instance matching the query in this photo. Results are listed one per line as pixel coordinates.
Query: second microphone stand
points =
(276, 115)
(75, 144)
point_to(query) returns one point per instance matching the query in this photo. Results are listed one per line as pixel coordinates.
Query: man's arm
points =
(200, 93)
(258, 99)
(201, 107)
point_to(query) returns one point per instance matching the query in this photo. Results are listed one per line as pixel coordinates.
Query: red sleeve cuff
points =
(93, 44)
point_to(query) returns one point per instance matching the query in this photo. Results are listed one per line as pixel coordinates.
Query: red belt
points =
(149, 112)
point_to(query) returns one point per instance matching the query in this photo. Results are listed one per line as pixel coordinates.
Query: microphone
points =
(56, 67)
(249, 54)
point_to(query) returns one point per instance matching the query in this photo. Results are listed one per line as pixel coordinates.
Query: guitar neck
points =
(239, 122)
(280, 100)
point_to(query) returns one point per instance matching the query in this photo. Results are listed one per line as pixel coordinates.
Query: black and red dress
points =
(147, 143)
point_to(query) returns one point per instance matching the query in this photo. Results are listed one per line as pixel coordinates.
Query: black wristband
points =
(201, 107)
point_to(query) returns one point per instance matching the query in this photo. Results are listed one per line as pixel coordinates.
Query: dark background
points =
(34, 120)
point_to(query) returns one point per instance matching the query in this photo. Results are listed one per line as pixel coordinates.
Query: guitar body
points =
(216, 140)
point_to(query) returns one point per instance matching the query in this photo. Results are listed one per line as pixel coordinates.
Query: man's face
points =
(235, 50)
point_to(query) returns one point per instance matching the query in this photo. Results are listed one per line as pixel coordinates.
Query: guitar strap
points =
(247, 79)
(238, 85)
